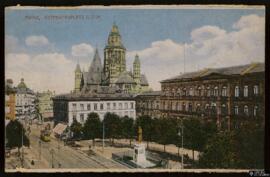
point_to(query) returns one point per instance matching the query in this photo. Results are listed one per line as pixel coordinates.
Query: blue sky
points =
(142, 30)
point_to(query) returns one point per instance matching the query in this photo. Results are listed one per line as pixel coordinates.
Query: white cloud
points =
(211, 46)
(36, 40)
(206, 33)
(41, 72)
(82, 50)
(11, 43)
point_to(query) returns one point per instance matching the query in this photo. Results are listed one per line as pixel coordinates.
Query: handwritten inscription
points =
(62, 17)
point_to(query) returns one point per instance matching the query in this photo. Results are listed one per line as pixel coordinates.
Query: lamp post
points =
(103, 135)
(52, 152)
(39, 149)
(22, 149)
(182, 142)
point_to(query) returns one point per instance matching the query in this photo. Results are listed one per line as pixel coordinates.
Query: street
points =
(54, 154)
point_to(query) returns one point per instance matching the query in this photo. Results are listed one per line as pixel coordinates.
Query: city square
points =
(120, 93)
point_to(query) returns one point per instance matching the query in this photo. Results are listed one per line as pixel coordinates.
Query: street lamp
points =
(52, 152)
(103, 135)
(39, 149)
(182, 142)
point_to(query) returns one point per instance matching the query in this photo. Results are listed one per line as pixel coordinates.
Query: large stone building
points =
(10, 96)
(113, 72)
(45, 104)
(25, 101)
(228, 96)
(68, 107)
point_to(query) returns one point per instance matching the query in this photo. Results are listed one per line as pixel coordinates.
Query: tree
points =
(166, 132)
(112, 126)
(15, 134)
(92, 127)
(127, 125)
(76, 129)
(249, 146)
(219, 152)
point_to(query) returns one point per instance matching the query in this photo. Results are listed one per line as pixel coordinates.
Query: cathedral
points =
(113, 74)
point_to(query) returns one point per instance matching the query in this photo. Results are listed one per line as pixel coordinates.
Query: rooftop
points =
(233, 70)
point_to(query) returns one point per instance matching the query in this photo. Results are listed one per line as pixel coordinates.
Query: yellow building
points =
(10, 100)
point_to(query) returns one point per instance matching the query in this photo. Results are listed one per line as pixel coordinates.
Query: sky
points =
(43, 46)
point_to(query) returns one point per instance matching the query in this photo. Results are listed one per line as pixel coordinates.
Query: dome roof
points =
(22, 84)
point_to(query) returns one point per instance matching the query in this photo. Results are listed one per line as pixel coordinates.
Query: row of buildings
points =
(229, 96)
(22, 102)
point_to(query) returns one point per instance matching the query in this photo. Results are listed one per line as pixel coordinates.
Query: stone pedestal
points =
(139, 153)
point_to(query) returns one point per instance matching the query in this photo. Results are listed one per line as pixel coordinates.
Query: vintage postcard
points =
(134, 88)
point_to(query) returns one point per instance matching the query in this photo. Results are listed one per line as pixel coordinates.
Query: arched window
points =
(208, 91)
(183, 107)
(191, 91)
(224, 91)
(189, 107)
(184, 92)
(256, 89)
(236, 110)
(176, 106)
(255, 111)
(236, 91)
(199, 91)
(198, 108)
(246, 110)
(223, 109)
(245, 91)
(216, 91)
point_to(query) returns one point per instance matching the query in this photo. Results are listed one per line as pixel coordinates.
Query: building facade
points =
(113, 72)
(69, 107)
(25, 101)
(45, 104)
(229, 96)
(10, 96)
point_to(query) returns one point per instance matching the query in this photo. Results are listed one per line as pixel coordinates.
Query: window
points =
(120, 106)
(246, 110)
(184, 92)
(82, 107)
(108, 106)
(216, 91)
(74, 106)
(126, 105)
(224, 91)
(198, 108)
(132, 105)
(183, 107)
(245, 91)
(223, 109)
(256, 89)
(255, 111)
(236, 91)
(81, 118)
(176, 106)
(95, 106)
(74, 116)
(114, 105)
(88, 106)
(101, 106)
(208, 91)
(191, 91)
(190, 107)
(199, 91)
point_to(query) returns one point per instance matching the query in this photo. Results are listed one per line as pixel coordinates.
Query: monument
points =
(139, 155)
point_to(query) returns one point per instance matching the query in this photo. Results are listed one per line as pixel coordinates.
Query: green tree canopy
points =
(76, 129)
(15, 133)
(92, 127)
(112, 125)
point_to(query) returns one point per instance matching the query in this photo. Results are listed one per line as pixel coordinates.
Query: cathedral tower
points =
(78, 78)
(114, 55)
(137, 70)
